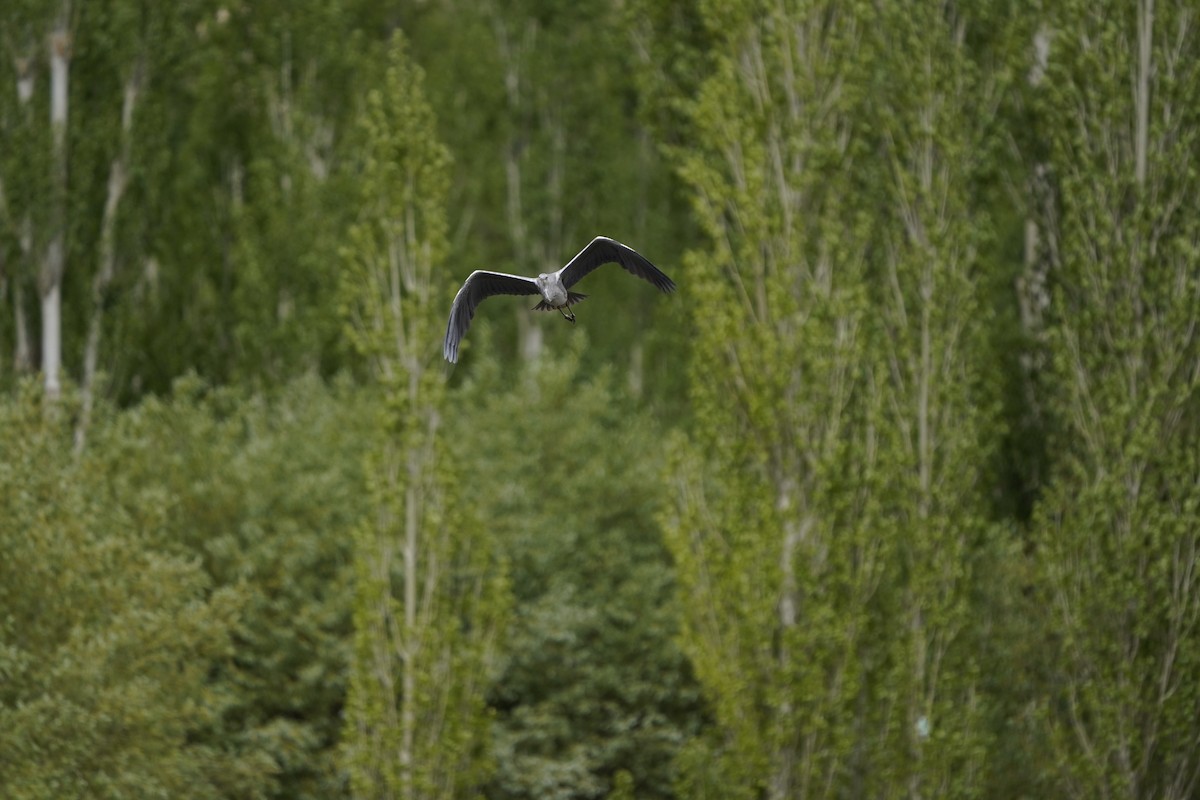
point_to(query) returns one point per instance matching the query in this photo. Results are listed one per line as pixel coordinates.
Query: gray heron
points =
(552, 286)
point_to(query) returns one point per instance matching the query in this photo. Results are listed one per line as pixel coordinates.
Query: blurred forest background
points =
(899, 496)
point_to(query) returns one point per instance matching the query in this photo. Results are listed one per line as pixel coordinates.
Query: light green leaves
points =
(1117, 536)
(430, 598)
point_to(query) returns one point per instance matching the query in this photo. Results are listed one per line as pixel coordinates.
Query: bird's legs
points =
(568, 315)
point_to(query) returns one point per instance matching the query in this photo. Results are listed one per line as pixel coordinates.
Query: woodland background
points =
(898, 496)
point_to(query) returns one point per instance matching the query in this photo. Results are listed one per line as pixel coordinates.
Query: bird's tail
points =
(572, 299)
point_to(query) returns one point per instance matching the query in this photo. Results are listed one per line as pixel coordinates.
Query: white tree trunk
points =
(529, 334)
(11, 278)
(408, 698)
(52, 324)
(50, 283)
(22, 353)
(1145, 33)
(3, 291)
(106, 269)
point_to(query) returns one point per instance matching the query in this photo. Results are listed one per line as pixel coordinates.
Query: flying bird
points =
(552, 286)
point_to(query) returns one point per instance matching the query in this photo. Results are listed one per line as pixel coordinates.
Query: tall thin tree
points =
(1118, 530)
(774, 562)
(429, 601)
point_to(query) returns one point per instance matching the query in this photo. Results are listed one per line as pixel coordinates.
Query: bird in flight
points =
(552, 286)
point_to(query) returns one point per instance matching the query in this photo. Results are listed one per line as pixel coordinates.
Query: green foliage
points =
(263, 494)
(896, 497)
(938, 425)
(245, 210)
(843, 427)
(536, 99)
(566, 468)
(1116, 531)
(393, 286)
(430, 597)
(236, 192)
(107, 638)
(776, 565)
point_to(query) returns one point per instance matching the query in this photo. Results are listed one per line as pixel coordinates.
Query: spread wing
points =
(603, 250)
(479, 285)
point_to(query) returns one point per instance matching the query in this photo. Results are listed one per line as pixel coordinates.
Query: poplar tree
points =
(830, 520)
(776, 569)
(428, 598)
(1118, 530)
(932, 108)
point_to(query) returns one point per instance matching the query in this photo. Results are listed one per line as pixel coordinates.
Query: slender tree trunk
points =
(50, 282)
(3, 291)
(106, 270)
(408, 689)
(784, 767)
(11, 281)
(383, 625)
(1141, 144)
(645, 156)
(529, 334)
(52, 329)
(637, 368)
(1032, 288)
(1145, 28)
(22, 352)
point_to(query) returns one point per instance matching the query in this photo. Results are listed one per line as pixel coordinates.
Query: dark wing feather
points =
(479, 286)
(603, 250)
